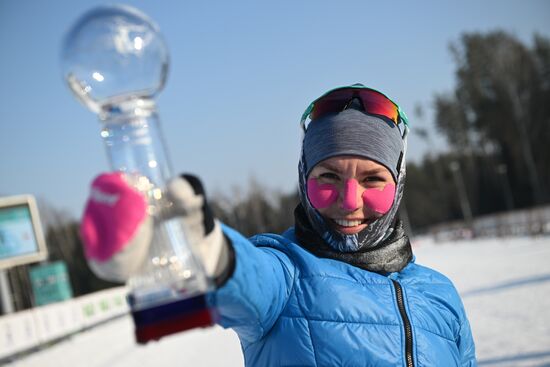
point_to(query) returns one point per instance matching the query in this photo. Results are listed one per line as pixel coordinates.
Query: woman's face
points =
(350, 192)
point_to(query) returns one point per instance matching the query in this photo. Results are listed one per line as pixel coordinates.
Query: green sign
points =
(50, 283)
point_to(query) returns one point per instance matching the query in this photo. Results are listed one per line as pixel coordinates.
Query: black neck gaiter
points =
(390, 255)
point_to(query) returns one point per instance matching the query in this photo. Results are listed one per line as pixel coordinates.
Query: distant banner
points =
(29, 329)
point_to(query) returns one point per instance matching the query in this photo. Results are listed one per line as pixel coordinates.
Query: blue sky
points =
(242, 72)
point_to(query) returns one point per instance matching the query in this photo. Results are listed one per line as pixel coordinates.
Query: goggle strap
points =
(402, 115)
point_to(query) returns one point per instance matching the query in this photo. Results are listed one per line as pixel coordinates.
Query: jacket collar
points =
(391, 255)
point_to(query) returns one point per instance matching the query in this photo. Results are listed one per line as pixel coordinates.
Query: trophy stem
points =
(170, 274)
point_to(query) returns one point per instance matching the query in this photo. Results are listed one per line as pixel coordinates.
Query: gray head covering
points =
(353, 132)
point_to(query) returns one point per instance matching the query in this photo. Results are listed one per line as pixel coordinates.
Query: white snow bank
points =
(505, 285)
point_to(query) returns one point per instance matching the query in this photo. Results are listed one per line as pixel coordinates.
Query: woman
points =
(340, 287)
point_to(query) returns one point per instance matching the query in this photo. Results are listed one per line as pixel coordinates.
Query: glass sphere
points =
(113, 54)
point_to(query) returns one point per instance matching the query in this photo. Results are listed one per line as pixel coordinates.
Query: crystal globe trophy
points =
(115, 62)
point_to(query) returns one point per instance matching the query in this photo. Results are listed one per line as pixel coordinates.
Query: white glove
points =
(203, 232)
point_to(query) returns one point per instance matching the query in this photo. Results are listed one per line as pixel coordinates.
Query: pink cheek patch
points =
(380, 200)
(321, 196)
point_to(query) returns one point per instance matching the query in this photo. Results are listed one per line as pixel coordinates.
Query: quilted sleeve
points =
(466, 345)
(254, 296)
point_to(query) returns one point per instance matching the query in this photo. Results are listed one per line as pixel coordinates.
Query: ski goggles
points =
(338, 99)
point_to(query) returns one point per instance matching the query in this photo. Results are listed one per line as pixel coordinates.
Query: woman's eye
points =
(329, 176)
(374, 179)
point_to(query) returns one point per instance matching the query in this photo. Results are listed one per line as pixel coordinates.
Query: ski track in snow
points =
(505, 285)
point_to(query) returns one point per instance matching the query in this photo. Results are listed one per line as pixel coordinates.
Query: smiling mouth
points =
(350, 227)
(348, 223)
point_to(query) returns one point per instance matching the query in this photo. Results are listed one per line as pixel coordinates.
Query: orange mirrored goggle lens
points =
(374, 103)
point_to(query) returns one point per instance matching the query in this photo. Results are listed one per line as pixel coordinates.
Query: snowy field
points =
(505, 285)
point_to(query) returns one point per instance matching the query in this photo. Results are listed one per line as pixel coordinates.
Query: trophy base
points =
(155, 322)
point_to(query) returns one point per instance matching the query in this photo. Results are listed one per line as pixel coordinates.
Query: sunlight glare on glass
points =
(97, 76)
(138, 43)
(157, 194)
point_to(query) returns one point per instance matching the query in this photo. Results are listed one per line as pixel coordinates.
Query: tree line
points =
(495, 122)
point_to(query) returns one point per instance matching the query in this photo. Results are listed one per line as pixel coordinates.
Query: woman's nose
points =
(350, 200)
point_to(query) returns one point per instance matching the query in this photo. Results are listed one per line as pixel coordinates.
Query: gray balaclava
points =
(353, 132)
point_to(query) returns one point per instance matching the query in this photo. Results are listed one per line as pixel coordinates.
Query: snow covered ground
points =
(505, 284)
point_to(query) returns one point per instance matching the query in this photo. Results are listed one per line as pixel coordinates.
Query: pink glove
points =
(115, 228)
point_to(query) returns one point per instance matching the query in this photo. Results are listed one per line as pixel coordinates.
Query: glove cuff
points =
(226, 265)
(217, 255)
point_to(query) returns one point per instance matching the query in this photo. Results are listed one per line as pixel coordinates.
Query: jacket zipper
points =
(406, 323)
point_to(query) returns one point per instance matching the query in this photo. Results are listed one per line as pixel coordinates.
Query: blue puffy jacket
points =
(291, 308)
